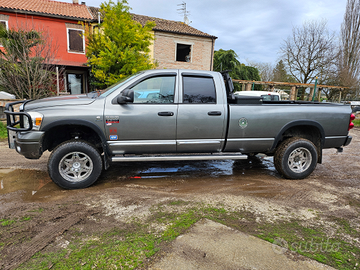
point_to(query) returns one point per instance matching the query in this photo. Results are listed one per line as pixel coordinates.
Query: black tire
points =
(295, 158)
(75, 164)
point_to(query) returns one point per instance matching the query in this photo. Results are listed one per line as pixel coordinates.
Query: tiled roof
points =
(48, 7)
(171, 26)
(162, 24)
(76, 11)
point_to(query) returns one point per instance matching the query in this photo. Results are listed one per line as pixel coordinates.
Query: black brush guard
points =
(15, 120)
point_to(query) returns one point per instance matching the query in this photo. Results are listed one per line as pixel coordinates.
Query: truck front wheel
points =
(75, 164)
(295, 158)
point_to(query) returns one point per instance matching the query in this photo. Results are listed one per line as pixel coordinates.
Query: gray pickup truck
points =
(162, 115)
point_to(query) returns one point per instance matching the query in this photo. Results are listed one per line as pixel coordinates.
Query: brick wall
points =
(165, 51)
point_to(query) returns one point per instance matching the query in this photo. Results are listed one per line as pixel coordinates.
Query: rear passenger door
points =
(201, 119)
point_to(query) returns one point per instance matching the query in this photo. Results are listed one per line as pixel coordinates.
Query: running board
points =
(177, 157)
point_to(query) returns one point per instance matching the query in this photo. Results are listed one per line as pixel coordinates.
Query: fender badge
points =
(113, 131)
(243, 122)
(112, 119)
(113, 137)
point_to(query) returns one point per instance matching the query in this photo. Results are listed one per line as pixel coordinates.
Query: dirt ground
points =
(43, 215)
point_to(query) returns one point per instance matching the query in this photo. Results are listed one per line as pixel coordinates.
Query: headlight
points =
(36, 119)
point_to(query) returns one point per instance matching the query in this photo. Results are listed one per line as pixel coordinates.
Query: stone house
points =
(177, 45)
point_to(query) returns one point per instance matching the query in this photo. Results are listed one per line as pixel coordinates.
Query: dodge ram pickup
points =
(162, 115)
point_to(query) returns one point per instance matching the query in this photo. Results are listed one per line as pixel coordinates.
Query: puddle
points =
(250, 176)
(241, 176)
(28, 185)
(6, 171)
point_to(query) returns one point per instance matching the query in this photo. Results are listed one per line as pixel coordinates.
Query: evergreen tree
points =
(227, 60)
(280, 74)
(120, 46)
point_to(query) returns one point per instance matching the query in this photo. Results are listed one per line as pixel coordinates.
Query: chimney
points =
(75, 1)
(83, 3)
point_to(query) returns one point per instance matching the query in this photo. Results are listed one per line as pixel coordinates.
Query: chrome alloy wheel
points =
(76, 166)
(299, 160)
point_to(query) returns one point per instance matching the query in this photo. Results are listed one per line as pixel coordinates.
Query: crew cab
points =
(162, 115)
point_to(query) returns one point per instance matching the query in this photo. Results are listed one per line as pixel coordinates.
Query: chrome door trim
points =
(335, 137)
(249, 139)
(142, 142)
(196, 142)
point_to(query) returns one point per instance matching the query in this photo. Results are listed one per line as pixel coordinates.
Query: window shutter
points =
(76, 43)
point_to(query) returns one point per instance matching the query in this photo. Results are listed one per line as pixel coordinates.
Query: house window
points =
(4, 24)
(76, 41)
(183, 52)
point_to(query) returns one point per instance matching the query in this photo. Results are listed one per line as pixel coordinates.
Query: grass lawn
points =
(3, 131)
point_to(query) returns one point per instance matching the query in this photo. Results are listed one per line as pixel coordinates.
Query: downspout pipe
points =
(212, 54)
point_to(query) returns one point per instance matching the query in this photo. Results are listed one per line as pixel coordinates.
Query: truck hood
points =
(73, 100)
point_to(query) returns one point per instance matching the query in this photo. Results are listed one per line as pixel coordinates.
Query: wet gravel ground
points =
(128, 190)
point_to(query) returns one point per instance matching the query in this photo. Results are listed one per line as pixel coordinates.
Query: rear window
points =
(270, 97)
(199, 90)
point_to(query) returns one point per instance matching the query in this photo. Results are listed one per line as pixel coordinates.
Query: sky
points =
(254, 29)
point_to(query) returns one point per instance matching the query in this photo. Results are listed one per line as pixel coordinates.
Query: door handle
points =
(214, 113)
(165, 113)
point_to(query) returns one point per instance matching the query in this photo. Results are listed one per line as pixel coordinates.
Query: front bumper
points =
(29, 144)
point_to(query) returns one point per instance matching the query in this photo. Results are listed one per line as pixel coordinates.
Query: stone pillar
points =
(311, 94)
(248, 87)
(319, 94)
(340, 95)
(293, 93)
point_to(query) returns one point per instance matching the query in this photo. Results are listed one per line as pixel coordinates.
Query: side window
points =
(76, 40)
(199, 90)
(155, 90)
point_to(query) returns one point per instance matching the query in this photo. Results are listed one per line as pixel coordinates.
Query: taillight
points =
(351, 124)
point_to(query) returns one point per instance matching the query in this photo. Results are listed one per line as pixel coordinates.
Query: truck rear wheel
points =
(75, 164)
(295, 158)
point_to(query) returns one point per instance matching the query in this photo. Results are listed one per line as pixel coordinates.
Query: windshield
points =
(112, 88)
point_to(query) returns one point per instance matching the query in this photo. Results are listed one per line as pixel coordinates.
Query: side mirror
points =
(126, 96)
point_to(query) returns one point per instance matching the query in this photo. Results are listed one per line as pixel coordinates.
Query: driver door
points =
(148, 124)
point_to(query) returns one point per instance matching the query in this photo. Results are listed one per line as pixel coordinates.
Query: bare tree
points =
(309, 52)
(27, 63)
(265, 70)
(349, 60)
